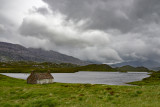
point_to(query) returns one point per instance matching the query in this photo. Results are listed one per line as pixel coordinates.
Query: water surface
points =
(110, 78)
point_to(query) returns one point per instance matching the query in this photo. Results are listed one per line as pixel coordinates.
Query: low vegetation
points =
(26, 67)
(154, 79)
(133, 69)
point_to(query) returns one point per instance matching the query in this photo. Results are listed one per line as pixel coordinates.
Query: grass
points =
(17, 93)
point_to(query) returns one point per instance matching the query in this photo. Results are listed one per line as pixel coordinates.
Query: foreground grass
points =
(17, 93)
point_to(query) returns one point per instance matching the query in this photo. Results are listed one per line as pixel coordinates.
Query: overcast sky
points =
(107, 31)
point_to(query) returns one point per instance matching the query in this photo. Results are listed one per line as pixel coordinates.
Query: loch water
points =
(109, 78)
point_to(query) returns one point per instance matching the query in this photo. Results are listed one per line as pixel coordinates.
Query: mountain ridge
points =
(16, 52)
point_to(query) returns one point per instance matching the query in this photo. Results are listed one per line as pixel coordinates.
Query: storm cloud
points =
(106, 31)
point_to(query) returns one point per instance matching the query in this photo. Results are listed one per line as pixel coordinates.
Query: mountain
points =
(15, 52)
(148, 64)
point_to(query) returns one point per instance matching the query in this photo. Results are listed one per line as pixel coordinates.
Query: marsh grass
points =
(17, 93)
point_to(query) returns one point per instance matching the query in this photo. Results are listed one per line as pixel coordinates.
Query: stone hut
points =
(40, 78)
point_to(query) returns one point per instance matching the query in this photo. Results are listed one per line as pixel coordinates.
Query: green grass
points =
(17, 93)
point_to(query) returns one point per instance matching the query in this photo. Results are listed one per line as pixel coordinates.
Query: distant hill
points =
(156, 68)
(15, 52)
(96, 67)
(130, 68)
(148, 64)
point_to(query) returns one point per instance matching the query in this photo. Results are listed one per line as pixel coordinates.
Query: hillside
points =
(131, 68)
(96, 67)
(15, 52)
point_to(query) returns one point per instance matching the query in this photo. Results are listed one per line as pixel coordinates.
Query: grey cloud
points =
(2, 28)
(103, 14)
(143, 8)
(65, 38)
(106, 31)
(5, 21)
(138, 46)
(124, 15)
(41, 10)
(130, 30)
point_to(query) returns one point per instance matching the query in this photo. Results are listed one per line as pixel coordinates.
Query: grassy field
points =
(17, 93)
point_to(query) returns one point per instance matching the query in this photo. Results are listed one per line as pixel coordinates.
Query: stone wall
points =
(45, 81)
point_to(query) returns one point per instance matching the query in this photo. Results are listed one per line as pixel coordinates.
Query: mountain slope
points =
(15, 52)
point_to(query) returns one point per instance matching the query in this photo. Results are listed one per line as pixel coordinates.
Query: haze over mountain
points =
(15, 52)
(149, 64)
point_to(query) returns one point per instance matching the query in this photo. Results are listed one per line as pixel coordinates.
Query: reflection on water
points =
(110, 78)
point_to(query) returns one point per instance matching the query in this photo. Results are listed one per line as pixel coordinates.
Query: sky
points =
(105, 31)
